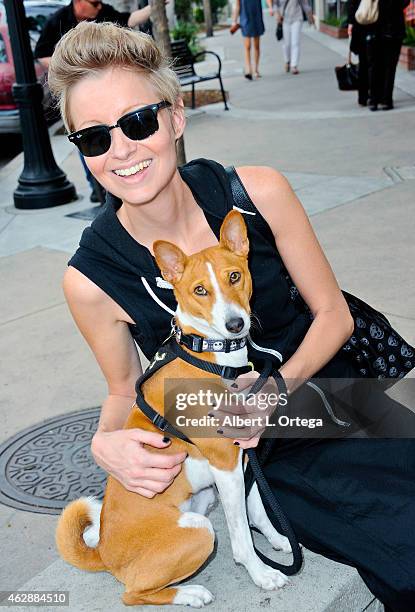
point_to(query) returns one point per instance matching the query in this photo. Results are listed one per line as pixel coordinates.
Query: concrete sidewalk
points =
(354, 172)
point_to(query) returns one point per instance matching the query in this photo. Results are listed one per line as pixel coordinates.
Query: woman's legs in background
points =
(286, 45)
(375, 70)
(248, 63)
(391, 49)
(363, 92)
(257, 53)
(295, 45)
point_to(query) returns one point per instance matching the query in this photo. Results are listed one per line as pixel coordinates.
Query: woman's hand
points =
(121, 453)
(349, 30)
(254, 411)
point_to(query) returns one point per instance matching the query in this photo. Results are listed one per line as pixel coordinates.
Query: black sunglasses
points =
(136, 125)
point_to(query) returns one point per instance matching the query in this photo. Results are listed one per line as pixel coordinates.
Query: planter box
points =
(407, 58)
(333, 31)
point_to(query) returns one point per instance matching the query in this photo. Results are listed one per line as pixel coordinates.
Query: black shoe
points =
(248, 76)
(386, 106)
(93, 197)
(373, 107)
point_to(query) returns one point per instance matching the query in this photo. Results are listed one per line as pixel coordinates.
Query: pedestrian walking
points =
(384, 41)
(291, 13)
(348, 499)
(249, 14)
(358, 45)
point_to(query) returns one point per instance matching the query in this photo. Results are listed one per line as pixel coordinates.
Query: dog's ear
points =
(233, 234)
(170, 259)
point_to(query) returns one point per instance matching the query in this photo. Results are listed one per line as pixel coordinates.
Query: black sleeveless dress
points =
(351, 500)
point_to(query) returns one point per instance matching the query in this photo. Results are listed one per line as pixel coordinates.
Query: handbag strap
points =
(285, 8)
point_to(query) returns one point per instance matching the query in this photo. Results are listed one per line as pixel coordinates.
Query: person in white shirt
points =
(291, 13)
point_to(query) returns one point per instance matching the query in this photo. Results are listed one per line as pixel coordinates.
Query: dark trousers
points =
(363, 91)
(353, 500)
(383, 55)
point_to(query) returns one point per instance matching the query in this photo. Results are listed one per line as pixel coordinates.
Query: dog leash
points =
(253, 473)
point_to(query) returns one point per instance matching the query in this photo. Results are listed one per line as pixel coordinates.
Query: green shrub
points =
(216, 6)
(409, 39)
(188, 32)
(199, 15)
(331, 20)
(183, 10)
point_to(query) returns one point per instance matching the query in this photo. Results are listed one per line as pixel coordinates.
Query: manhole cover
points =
(46, 466)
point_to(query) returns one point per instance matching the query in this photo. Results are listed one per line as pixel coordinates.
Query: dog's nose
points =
(234, 325)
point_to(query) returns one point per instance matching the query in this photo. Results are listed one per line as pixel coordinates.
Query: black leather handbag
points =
(279, 32)
(348, 76)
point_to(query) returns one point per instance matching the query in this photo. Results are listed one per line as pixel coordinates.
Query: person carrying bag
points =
(290, 16)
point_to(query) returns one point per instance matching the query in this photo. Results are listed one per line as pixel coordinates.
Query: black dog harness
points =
(170, 351)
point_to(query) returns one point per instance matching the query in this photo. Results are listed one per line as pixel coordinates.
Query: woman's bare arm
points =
(120, 452)
(308, 268)
(236, 11)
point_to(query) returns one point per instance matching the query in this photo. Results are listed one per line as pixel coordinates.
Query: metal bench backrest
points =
(182, 59)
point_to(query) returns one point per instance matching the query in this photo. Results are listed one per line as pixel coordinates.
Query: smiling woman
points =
(121, 104)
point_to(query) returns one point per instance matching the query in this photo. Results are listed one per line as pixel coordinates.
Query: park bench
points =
(184, 67)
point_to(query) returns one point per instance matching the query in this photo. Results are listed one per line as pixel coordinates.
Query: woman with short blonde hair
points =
(350, 499)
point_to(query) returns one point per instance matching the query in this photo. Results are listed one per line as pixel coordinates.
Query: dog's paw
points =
(267, 578)
(193, 595)
(279, 542)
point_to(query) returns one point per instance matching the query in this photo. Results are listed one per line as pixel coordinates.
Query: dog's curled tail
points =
(70, 541)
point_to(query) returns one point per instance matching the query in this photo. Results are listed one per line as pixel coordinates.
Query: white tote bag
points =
(368, 12)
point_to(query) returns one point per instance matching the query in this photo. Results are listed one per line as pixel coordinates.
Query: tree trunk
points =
(207, 9)
(162, 37)
(160, 25)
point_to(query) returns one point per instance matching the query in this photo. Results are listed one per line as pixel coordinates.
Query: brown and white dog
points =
(151, 544)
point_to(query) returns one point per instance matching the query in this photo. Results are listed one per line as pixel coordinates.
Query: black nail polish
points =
(210, 414)
(236, 443)
(166, 439)
(219, 431)
(234, 385)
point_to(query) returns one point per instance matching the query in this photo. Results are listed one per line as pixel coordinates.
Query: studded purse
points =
(375, 347)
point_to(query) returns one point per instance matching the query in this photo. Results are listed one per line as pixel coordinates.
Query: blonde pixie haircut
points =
(91, 47)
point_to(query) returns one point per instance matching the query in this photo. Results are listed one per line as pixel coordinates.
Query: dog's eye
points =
(234, 277)
(200, 290)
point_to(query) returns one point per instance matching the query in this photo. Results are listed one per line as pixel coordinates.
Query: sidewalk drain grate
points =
(44, 467)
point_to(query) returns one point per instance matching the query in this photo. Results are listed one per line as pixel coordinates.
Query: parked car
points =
(37, 11)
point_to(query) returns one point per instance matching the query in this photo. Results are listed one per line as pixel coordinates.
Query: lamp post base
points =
(29, 196)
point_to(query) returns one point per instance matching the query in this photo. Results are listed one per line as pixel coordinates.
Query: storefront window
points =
(335, 11)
